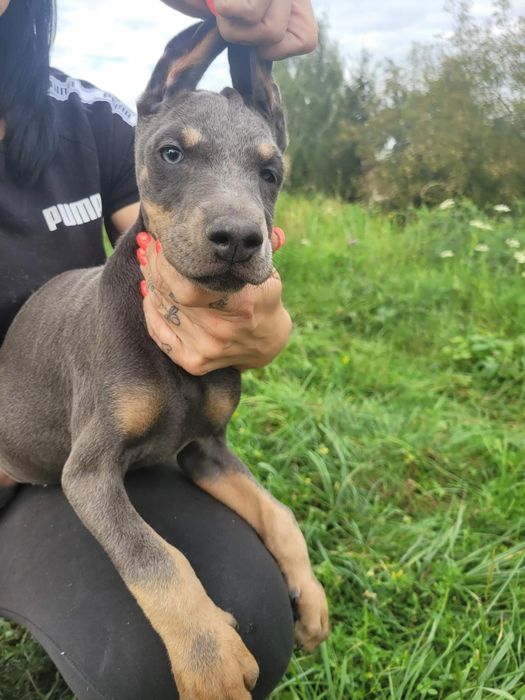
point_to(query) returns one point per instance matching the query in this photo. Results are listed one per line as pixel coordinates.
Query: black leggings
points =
(56, 581)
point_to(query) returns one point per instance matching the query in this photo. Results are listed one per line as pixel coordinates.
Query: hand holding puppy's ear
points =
(279, 28)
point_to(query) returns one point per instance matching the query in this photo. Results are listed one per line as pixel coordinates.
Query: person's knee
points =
(258, 598)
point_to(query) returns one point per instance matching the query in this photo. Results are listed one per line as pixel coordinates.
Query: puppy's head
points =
(210, 166)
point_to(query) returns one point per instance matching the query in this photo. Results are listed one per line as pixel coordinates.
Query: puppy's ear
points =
(184, 62)
(252, 78)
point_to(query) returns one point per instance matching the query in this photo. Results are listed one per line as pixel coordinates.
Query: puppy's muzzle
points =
(236, 244)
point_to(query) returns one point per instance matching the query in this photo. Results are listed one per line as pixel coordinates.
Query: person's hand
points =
(3, 6)
(202, 331)
(280, 28)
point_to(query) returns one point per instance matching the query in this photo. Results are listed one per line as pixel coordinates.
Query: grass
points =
(393, 426)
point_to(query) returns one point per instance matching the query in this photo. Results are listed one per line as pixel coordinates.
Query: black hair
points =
(27, 30)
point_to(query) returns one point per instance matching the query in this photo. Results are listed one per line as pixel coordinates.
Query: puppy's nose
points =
(236, 245)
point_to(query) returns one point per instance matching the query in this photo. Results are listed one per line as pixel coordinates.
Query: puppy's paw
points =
(216, 665)
(311, 608)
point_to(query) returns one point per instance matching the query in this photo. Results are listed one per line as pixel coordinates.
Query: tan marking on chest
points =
(219, 405)
(137, 410)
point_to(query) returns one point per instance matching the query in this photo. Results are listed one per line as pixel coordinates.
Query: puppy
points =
(86, 395)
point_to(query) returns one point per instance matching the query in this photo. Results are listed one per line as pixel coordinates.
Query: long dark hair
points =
(27, 29)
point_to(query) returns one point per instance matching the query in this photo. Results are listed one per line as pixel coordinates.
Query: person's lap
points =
(56, 580)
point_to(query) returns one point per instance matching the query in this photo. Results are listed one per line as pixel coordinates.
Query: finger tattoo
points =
(172, 316)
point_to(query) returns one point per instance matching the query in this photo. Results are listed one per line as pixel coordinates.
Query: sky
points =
(115, 44)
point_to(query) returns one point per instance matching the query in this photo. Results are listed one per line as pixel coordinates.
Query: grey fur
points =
(79, 346)
(217, 185)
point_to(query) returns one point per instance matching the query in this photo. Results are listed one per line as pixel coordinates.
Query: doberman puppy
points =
(86, 395)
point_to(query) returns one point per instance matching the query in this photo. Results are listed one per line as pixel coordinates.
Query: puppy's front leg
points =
(208, 658)
(220, 473)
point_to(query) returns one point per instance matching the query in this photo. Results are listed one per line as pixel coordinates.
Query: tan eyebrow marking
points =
(266, 151)
(190, 137)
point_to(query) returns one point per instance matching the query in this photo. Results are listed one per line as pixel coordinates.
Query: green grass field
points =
(393, 425)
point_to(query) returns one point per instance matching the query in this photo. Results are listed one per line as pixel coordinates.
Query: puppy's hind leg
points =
(159, 576)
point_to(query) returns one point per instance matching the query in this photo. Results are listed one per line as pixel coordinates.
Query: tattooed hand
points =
(202, 331)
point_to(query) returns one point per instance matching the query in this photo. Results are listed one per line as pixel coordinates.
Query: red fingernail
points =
(143, 239)
(141, 257)
(280, 237)
(158, 246)
(143, 286)
(211, 7)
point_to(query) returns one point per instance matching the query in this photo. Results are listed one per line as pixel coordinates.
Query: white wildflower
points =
(519, 257)
(447, 204)
(512, 242)
(446, 254)
(476, 223)
(305, 241)
(481, 248)
(502, 208)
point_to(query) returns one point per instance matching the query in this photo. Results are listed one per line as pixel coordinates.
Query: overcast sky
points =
(115, 43)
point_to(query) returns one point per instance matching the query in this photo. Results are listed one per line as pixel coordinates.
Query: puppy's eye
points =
(172, 154)
(268, 175)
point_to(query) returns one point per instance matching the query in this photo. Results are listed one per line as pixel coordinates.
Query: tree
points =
(312, 89)
(449, 122)
(456, 116)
